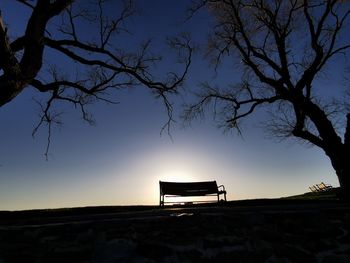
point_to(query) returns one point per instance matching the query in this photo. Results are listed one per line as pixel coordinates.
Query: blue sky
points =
(121, 159)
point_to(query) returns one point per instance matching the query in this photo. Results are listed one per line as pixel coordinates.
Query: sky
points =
(120, 160)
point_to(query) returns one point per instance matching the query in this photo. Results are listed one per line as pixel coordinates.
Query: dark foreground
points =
(261, 231)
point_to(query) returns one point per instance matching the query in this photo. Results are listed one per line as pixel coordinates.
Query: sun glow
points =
(178, 175)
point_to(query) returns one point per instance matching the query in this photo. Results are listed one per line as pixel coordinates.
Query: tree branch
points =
(308, 136)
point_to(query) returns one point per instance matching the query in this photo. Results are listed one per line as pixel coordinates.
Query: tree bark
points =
(340, 158)
(9, 89)
(341, 165)
(344, 181)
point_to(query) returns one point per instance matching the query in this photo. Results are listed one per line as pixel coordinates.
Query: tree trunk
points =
(341, 164)
(344, 181)
(343, 172)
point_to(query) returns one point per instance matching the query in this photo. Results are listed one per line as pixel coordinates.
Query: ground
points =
(258, 231)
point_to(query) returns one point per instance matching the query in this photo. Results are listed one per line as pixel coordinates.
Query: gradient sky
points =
(122, 158)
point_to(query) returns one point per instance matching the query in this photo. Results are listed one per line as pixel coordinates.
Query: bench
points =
(175, 189)
(314, 189)
(322, 187)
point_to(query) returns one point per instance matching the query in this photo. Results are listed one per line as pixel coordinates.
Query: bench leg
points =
(161, 200)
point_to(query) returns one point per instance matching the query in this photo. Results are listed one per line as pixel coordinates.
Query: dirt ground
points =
(260, 232)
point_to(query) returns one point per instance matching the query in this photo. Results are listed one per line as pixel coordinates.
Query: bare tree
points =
(100, 65)
(282, 47)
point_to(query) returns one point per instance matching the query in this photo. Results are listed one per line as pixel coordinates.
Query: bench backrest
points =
(188, 189)
(313, 188)
(323, 186)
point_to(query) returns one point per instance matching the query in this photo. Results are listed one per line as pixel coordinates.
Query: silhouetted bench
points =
(323, 187)
(313, 189)
(174, 189)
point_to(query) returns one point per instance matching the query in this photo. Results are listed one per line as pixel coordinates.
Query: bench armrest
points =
(223, 188)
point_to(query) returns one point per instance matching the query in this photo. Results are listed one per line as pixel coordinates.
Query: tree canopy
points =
(88, 35)
(282, 47)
